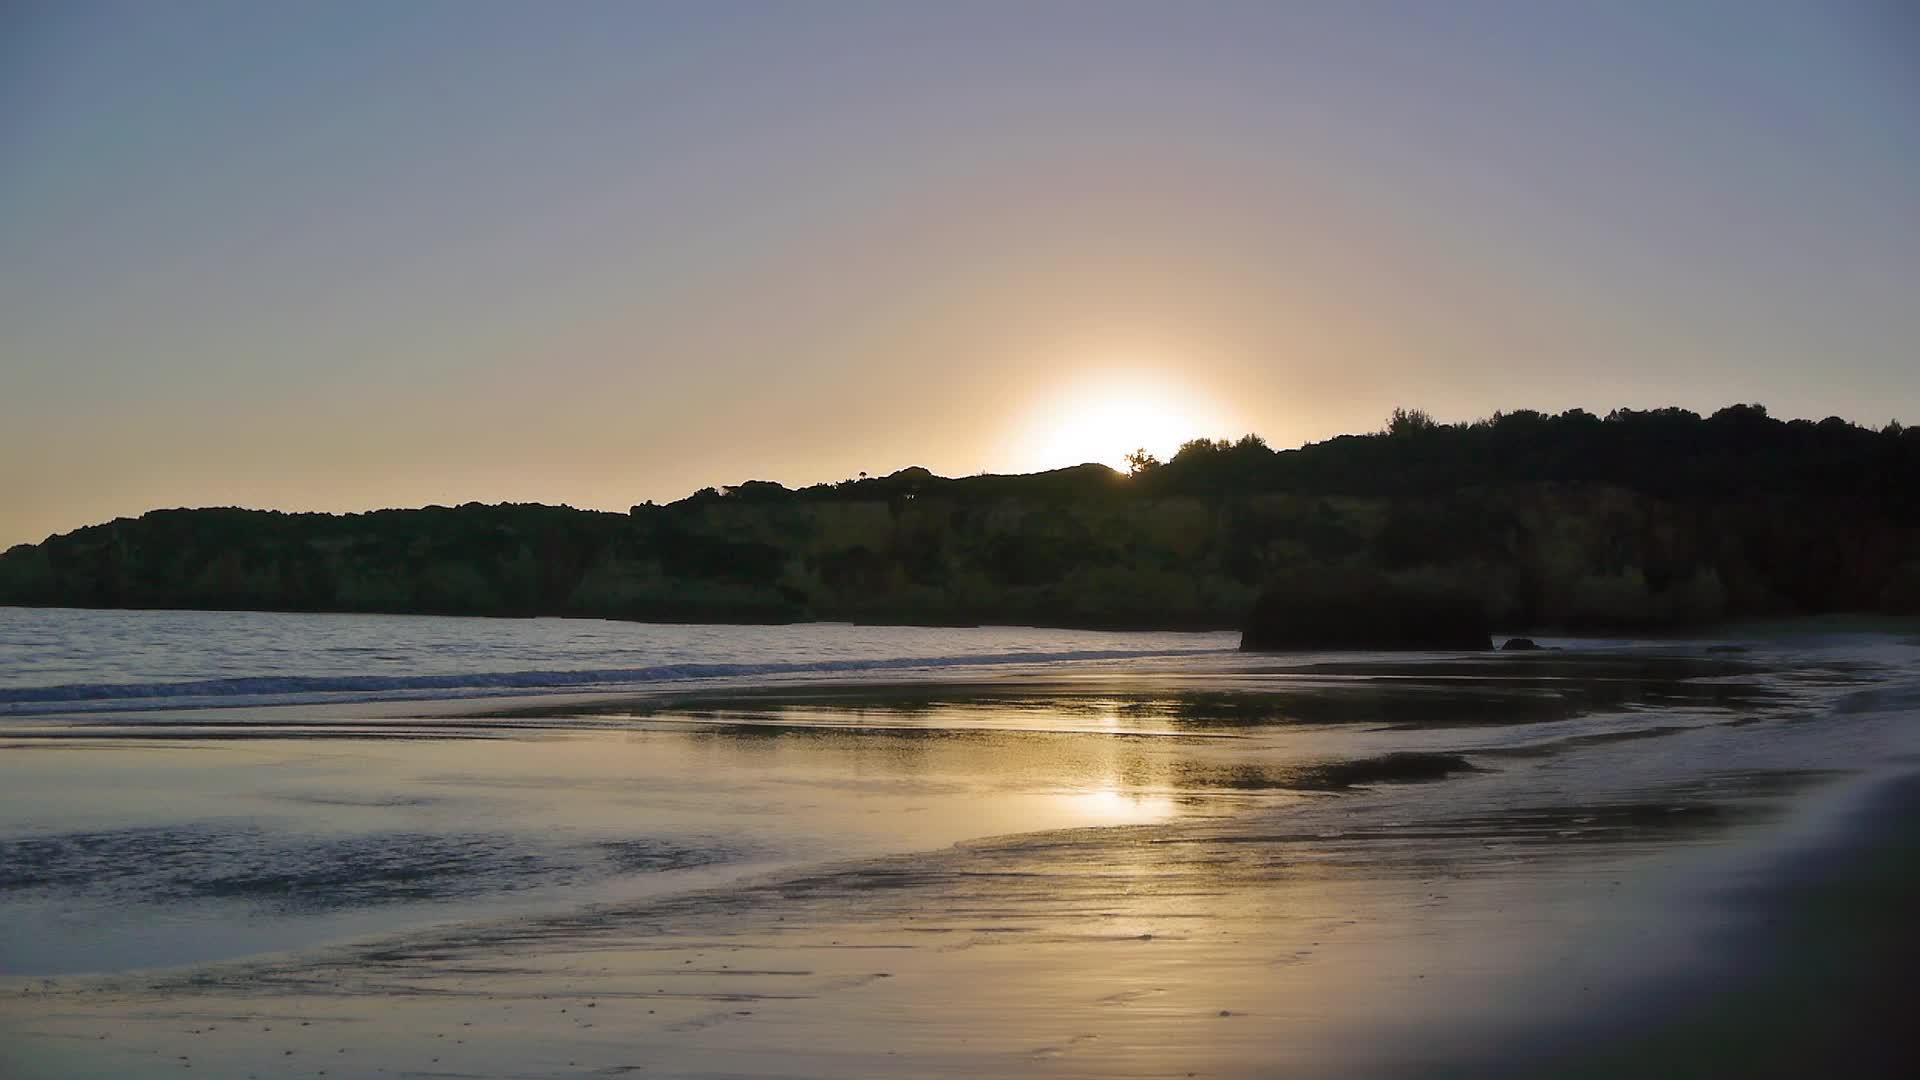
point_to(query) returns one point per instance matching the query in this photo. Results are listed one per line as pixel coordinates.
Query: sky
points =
(348, 255)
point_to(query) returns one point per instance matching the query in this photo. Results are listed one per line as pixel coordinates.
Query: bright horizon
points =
(350, 256)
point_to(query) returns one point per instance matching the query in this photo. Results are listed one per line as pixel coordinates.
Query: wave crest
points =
(289, 689)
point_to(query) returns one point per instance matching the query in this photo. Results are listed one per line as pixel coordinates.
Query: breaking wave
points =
(291, 689)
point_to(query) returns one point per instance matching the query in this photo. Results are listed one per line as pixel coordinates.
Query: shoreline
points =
(1674, 630)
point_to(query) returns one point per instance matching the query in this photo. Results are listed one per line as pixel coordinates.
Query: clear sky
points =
(348, 255)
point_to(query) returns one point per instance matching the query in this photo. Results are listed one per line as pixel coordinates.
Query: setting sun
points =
(1102, 418)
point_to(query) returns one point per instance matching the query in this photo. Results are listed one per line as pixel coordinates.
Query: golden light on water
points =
(1115, 805)
(1103, 416)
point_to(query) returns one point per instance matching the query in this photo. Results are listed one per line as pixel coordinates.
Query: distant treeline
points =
(1638, 519)
(1667, 453)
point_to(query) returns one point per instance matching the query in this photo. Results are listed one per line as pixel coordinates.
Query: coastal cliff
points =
(1187, 543)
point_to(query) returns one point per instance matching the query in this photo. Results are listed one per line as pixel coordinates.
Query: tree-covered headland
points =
(1635, 519)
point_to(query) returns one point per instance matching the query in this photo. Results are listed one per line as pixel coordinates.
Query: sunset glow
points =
(1103, 417)
(668, 252)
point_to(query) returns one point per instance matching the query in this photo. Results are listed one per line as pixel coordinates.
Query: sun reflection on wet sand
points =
(1113, 806)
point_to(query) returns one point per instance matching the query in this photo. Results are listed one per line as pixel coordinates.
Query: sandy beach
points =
(1422, 867)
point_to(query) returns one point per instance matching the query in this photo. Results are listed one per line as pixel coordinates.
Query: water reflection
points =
(531, 802)
(1122, 806)
(1471, 691)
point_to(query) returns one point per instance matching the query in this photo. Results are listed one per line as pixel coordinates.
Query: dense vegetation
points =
(1357, 608)
(1638, 518)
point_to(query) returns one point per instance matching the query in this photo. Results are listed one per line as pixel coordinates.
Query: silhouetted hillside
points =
(1643, 519)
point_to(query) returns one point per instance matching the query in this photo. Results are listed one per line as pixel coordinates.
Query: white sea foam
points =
(288, 688)
(67, 661)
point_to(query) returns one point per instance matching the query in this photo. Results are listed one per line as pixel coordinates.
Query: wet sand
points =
(1263, 912)
(1809, 971)
(1128, 952)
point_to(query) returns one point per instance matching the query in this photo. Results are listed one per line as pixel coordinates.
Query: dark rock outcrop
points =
(1356, 610)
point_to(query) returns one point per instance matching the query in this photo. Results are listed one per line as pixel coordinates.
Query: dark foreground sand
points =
(1811, 973)
(1641, 941)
